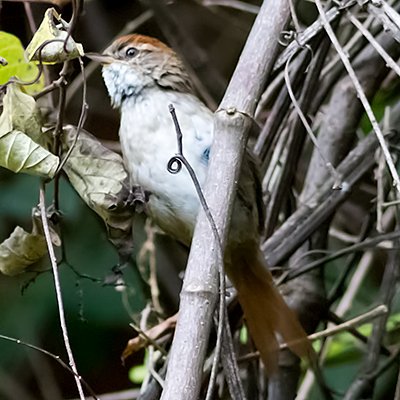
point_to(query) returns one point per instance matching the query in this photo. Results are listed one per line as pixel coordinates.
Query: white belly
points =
(148, 143)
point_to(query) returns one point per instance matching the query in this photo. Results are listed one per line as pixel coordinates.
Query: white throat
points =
(124, 82)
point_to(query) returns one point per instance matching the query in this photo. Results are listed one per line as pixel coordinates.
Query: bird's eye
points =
(131, 51)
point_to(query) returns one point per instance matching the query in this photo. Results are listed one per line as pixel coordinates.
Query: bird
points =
(143, 77)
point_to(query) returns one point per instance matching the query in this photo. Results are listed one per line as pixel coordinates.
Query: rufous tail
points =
(264, 308)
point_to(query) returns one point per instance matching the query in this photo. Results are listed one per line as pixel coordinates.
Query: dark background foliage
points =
(210, 41)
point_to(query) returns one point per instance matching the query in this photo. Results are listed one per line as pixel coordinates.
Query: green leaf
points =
(345, 345)
(138, 373)
(244, 335)
(393, 322)
(53, 28)
(19, 130)
(12, 51)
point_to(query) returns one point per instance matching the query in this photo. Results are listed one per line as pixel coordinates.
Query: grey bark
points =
(232, 122)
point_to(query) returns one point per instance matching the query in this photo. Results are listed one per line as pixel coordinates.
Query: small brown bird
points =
(143, 76)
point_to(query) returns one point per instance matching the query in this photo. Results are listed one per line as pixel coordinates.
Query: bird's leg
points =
(133, 197)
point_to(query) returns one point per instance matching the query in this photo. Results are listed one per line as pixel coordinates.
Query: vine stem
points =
(57, 285)
(174, 166)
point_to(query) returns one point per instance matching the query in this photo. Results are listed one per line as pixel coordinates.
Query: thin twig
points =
(394, 357)
(388, 17)
(230, 365)
(145, 257)
(309, 34)
(49, 88)
(391, 203)
(356, 321)
(152, 344)
(332, 317)
(174, 166)
(337, 289)
(54, 357)
(365, 381)
(150, 366)
(388, 59)
(342, 236)
(295, 19)
(61, 108)
(279, 112)
(76, 9)
(82, 117)
(58, 130)
(130, 394)
(33, 28)
(39, 50)
(361, 94)
(379, 176)
(329, 166)
(141, 332)
(351, 48)
(365, 244)
(344, 305)
(236, 4)
(57, 287)
(397, 392)
(30, 18)
(307, 218)
(284, 170)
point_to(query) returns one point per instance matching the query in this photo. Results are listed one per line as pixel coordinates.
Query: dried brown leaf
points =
(53, 28)
(151, 335)
(21, 250)
(99, 176)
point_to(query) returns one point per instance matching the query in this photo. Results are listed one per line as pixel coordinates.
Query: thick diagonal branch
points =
(232, 121)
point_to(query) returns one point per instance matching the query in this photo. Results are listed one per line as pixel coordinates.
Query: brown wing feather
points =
(264, 308)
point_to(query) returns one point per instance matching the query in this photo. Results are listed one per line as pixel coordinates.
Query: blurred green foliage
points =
(12, 51)
(96, 317)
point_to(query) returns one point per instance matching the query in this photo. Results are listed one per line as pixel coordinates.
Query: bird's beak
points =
(100, 58)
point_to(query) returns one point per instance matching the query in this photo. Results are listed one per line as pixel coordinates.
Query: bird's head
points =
(134, 63)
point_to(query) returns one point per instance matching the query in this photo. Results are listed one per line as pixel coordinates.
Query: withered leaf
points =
(152, 334)
(99, 176)
(21, 250)
(20, 131)
(53, 28)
